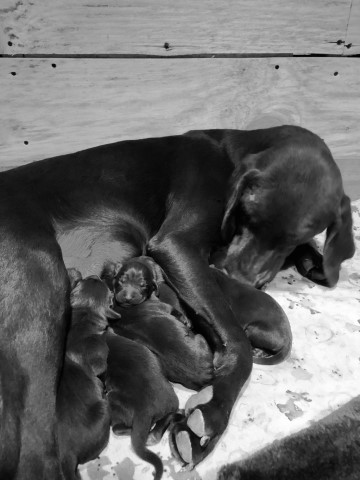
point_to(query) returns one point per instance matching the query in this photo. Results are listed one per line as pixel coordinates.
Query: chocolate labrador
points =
(254, 196)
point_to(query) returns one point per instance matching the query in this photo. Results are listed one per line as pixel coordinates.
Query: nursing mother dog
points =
(246, 200)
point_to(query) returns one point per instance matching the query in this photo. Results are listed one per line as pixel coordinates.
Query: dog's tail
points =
(139, 434)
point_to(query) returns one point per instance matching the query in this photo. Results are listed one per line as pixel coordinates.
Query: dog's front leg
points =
(188, 273)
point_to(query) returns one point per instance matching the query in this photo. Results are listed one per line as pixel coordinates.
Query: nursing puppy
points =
(185, 356)
(137, 280)
(139, 288)
(82, 408)
(139, 395)
(91, 302)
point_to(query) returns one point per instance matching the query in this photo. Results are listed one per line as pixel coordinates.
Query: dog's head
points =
(286, 194)
(136, 281)
(91, 292)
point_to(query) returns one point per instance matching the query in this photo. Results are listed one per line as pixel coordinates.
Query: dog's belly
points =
(93, 242)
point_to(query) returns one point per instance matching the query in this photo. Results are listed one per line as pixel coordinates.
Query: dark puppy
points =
(82, 409)
(136, 280)
(185, 356)
(139, 395)
(139, 279)
(133, 282)
(91, 302)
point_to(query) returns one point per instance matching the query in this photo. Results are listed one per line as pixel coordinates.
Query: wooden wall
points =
(75, 74)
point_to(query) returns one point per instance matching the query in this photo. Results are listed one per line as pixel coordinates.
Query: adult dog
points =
(257, 195)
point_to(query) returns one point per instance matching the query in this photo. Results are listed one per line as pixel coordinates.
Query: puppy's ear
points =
(74, 277)
(110, 313)
(339, 243)
(245, 189)
(110, 270)
(157, 272)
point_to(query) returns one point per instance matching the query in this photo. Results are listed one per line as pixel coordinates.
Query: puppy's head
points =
(135, 282)
(93, 293)
(289, 193)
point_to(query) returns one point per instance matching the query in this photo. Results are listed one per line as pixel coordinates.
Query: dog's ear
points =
(74, 277)
(339, 243)
(245, 189)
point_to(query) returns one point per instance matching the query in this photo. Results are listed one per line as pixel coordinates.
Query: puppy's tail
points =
(139, 434)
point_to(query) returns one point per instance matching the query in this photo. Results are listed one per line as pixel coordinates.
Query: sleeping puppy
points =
(82, 409)
(185, 356)
(161, 326)
(91, 302)
(140, 279)
(139, 395)
(137, 280)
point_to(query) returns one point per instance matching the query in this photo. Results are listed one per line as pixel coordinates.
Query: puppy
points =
(91, 302)
(82, 409)
(139, 395)
(185, 356)
(137, 280)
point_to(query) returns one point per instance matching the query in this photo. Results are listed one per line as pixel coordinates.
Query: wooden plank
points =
(78, 103)
(187, 26)
(352, 42)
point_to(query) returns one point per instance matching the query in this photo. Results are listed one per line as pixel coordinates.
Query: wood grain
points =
(352, 42)
(187, 26)
(70, 104)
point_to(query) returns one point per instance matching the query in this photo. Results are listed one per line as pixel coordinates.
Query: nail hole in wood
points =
(166, 45)
(336, 74)
(53, 65)
(277, 67)
(13, 74)
(10, 43)
(26, 142)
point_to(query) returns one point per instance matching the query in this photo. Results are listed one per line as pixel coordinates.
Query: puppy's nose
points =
(129, 296)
